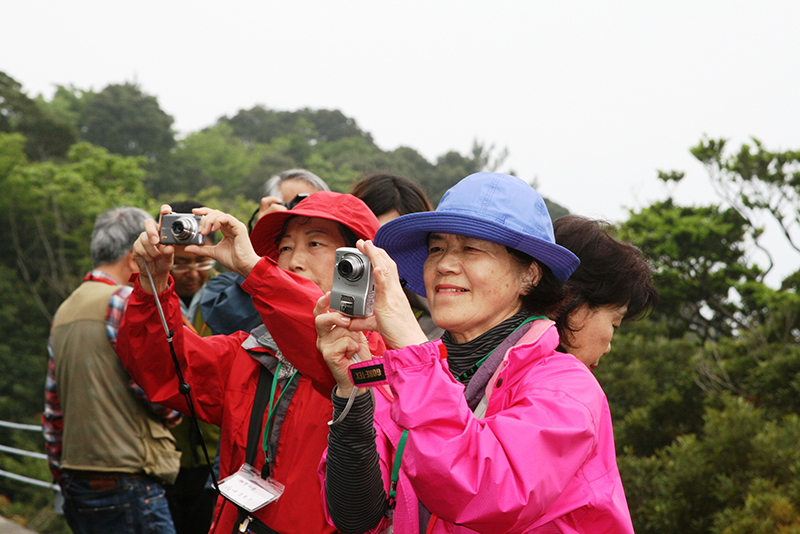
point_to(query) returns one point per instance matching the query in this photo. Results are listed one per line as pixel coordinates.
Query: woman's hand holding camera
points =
(394, 319)
(338, 345)
(234, 251)
(148, 251)
(339, 337)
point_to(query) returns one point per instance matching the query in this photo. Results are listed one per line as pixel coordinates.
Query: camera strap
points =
(183, 387)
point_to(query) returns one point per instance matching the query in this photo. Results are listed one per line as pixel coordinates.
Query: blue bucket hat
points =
(494, 207)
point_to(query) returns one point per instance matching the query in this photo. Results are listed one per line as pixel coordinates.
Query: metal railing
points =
(30, 454)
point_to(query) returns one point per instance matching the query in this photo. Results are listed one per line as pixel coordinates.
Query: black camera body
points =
(295, 201)
(181, 229)
(353, 290)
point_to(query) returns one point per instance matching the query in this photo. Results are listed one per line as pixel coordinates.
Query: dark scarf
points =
(462, 357)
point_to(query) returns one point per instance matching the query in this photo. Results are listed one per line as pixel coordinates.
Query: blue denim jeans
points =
(125, 505)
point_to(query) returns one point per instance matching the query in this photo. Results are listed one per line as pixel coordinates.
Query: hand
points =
(338, 345)
(394, 319)
(234, 251)
(268, 205)
(149, 252)
(175, 423)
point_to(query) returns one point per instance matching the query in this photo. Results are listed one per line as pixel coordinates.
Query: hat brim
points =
(337, 207)
(405, 240)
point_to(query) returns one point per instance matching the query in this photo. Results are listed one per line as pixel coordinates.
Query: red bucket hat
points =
(345, 209)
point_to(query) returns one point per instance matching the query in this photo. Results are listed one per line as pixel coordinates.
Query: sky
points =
(590, 98)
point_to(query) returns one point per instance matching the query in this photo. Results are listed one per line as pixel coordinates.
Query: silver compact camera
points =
(181, 229)
(353, 290)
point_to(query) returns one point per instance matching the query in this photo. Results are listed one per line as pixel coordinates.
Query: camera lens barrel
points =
(351, 268)
(184, 228)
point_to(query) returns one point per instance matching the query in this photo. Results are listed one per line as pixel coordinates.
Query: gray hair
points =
(114, 233)
(272, 188)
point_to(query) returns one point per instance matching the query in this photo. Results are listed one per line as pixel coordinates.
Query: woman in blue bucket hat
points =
(489, 429)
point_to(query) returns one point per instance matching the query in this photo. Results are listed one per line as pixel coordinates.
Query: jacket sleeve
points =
(286, 304)
(497, 474)
(144, 351)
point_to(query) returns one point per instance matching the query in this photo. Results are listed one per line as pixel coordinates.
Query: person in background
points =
(225, 306)
(389, 196)
(108, 447)
(612, 284)
(490, 429)
(192, 498)
(284, 188)
(277, 362)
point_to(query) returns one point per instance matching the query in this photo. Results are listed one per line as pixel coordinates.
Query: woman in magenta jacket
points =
(490, 429)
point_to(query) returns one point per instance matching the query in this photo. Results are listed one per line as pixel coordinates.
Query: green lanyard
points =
(398, 457)
(272, 408)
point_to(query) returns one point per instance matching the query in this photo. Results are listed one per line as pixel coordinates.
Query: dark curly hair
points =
(611, 273)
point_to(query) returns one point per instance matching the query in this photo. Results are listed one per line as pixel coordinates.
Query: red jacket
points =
(223, 378)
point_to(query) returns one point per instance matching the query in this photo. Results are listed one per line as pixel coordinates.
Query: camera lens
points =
(184, 228)
(350, 268)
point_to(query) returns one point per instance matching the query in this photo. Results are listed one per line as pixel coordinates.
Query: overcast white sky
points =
(590, 98)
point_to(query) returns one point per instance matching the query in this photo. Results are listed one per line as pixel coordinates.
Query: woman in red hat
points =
(288, 266)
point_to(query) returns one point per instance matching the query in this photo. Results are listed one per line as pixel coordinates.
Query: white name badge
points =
(247, 489)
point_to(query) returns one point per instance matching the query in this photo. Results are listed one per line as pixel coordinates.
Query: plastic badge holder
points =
(247, 489)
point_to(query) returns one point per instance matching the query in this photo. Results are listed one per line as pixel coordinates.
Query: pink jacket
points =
(541, 460)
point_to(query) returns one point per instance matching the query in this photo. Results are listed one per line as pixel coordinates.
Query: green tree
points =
(701, 268)
(261, 125)
(46, 135)
(50, 210)
(67, 104)
(719, 480)
(758, 183)
(124, 120)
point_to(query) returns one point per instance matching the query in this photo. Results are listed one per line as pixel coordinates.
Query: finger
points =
(146, 248)
(275, 207)
(151, 231)
(266, 202)
(322, 304)
(344, 347)
(165, 209)
(364, 354)
(363, 324)
(326, 322)
(228, 224)
(204, 251)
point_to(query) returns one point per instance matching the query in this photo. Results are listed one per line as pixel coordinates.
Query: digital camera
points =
(295, 201)
(181, 229)
(353, 290)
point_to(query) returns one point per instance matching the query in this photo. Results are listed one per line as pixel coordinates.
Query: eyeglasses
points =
(202, 266)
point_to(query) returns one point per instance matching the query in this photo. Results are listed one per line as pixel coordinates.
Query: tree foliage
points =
(705, 393)
(124, 120)
(698, 254)
(46, 135)
(758, 183)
